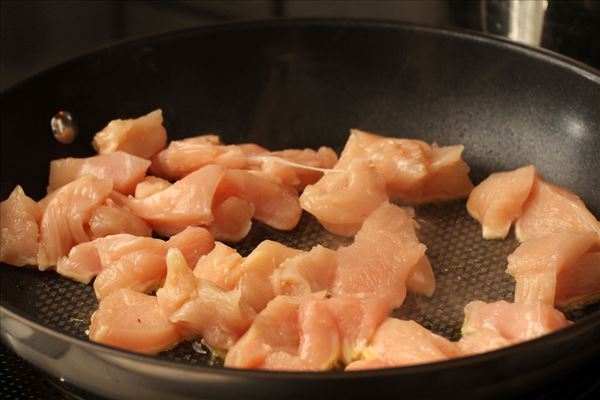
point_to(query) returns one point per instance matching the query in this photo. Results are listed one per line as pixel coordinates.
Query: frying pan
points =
(304, 83)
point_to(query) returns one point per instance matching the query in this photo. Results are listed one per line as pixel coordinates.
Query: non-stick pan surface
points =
(304, 83)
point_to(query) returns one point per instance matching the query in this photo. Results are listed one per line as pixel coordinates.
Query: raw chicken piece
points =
(125, 170)
(412, 169)
(142, 137)
(490, 326)
(305, 273)
(188, 202)
(337, 329)
(383, 254)
(306, 333)
(579, 284)
(540, 266)
(130, 261)
(150, 185)
(448, 177)
(231, 291)
(185, 156)
(222, 266)
(110, 219)
(179, 285)
(213, 314)
(133, 321)
(398, 343)
(320, 345)
(200, 308)
(497, 202)
(182, 157)
(341, 200)
(194, 242)
(282, 361)
(274, 204)
(144, 269)
(255, 283)
(403, 163)
(551, 209)
(233, 219)
(19, 217)
(421, 278)
(276, 329)
(86, 260)
(285, 165)
(65, 217)
(82, 264)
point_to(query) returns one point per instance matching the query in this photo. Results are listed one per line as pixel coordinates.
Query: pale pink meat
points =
(221, 266)
(19, 218)
(199, 308)
(179, 285)
(125, 170)
(130, 261)
(86, 260)
(448, 177)
(194, 242)
(541, 266)
(230, 291)
(552, 209)
(497, 202)
(83, 262)
(403, 163)
(142, 137)
(320, 345)
(188, 202)
(338, 329)
(275, 329)
(305, 273)
(383, 254)
(133, 321)
(142, 271)
(421, 278)
(372, 168)
(282, 361)
(110, 219)
(275, 204)
(213, 314)
(65, 218)
(150, 185)
(255, 282)
(399, 343)
(314, 333)
(413, 170)
(342, 199)
(184, 156)
(579, 284)
(233, 219)
(489, 326)
(284, 165)
(145, 269)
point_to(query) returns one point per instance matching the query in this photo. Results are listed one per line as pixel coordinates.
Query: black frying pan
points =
(304, 83)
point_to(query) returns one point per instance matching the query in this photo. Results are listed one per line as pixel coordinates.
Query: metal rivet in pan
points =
(63, 127)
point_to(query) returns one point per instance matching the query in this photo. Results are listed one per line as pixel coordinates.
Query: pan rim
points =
(561, 60)
(586, 324)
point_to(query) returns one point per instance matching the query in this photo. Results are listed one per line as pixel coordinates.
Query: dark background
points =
(38, 34)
